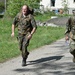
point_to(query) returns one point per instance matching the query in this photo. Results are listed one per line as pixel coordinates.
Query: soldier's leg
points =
(22, 48)
(25, 52)
(20, 39)
(72, 49)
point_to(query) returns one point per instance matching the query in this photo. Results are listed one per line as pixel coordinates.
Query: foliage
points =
(14, 6)
(2, 7)
(45, 16)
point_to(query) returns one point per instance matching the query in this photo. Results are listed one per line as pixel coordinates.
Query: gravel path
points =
(53, 59)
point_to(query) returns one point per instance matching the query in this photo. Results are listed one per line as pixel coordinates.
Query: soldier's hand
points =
(12, 35)
(29, 36)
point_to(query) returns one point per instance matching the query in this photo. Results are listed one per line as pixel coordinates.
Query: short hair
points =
(26, 6)
(30, 10)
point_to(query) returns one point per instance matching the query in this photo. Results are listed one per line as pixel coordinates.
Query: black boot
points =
(74, 58)
(24, 62)
(24, 59)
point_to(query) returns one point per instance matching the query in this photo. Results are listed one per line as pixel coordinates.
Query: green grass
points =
(44, 17)
(9, 46)
(46, 35)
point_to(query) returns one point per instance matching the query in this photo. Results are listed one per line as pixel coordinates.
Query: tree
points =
(14, 6)
(2, 7)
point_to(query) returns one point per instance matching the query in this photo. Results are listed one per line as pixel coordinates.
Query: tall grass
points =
(46, 35)
(44, 17)
(8, 45)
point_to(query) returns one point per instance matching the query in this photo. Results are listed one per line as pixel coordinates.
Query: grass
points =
(44, 17)
(46, 35)
(9, 46)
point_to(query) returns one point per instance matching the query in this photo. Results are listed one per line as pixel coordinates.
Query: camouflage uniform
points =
(70, 32)
(25, 25)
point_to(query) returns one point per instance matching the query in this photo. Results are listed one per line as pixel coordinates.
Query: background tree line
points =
(14, 6)
(2, 7)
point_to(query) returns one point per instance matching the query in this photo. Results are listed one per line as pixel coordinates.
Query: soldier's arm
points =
(33, 23)
(33, 31)
(14, 24)
(68, 26)
(68, 29)
(13, 29)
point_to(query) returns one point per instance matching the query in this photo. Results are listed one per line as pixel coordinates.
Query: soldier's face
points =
(24, 10)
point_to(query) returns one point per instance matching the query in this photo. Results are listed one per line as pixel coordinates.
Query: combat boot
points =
(24, 62)
(74, 59)
(24, 59)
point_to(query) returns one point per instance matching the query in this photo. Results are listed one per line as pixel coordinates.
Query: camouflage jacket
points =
(24, 23)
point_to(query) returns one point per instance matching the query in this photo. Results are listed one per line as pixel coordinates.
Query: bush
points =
(14, 6)
(2, 7)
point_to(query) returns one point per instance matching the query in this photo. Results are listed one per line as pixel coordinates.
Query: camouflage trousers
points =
(23, 44)
(72, 47)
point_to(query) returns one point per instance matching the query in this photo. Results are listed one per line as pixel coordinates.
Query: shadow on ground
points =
(52, 65)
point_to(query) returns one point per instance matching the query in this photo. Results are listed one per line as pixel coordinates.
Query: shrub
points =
(14, 6)
(2, 7)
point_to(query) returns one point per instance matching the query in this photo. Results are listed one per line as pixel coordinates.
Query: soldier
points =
(70, 34)
(26, 27)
